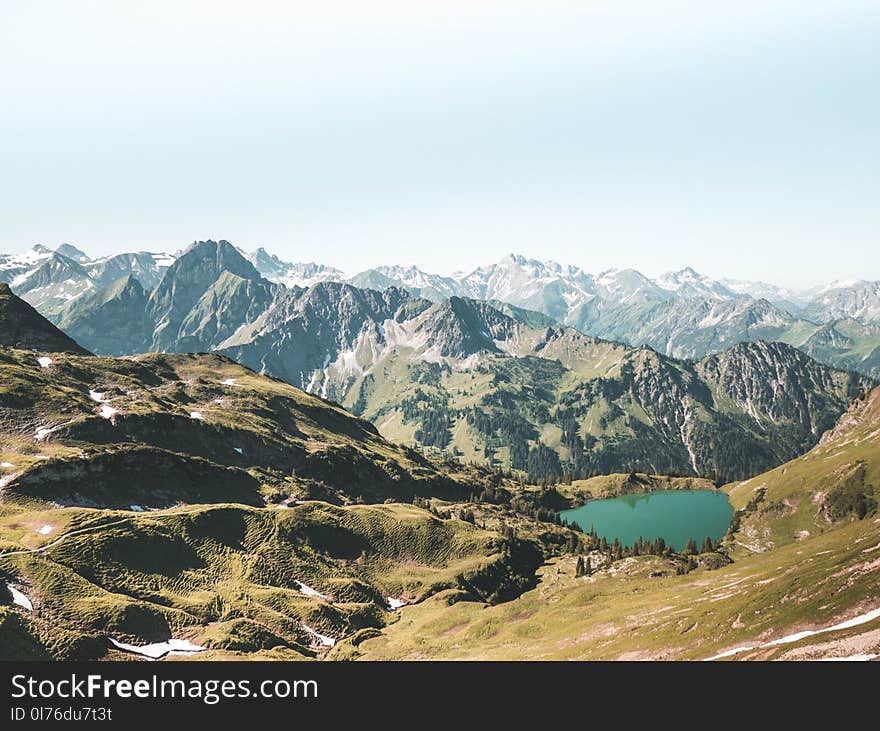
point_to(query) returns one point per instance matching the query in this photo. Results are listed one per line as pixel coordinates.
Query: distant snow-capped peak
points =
(857, 299)
(29, 258)
(291, 274)
(412, 276)
(689, 283)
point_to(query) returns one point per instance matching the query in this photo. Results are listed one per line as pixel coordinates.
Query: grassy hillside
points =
(154, 430)
(228, 577)
(623, 613)
(806, 557)
(838, 480)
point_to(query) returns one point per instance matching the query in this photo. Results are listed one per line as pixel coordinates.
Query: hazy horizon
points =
(738, 140)
(455, 272)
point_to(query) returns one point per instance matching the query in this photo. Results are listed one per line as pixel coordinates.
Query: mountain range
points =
(488, 381)
(185, 488)
(485, 384)
(681, 314)
(49, 279)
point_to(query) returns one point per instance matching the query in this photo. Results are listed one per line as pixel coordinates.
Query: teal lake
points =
(674, 515)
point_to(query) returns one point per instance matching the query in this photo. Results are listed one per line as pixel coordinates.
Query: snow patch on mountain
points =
(164, 260)
(309, 591)
(158, 650)
(43, 431)
(325, 640)
(19, 598)
(27, 260)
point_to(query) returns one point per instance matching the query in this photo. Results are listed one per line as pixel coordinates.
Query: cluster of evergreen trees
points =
(366, 387)
(500, 421)
(432, 413)
(642, 546)
(583, 568)
(435, 428)
(851, 496)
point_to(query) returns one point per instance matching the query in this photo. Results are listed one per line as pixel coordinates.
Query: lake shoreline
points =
(603, 487)
(676, 516)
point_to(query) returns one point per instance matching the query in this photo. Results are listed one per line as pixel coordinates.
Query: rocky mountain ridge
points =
(682, 313)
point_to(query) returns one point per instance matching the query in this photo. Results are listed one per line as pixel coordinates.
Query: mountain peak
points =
(71, 252)
(218, 255)
(291, 274)
(688, 282)
(766, 352)
(210, 245)
(536, 264)
(847, 283)
(688, 274)
(859, 299)
(127, 282)
(461, 326)
(188, 279)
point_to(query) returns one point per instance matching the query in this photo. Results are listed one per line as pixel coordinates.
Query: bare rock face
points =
(858, 300)
(191, 291)
(113, 320)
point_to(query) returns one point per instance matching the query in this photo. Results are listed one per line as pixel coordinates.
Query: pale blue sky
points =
(741, 140)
